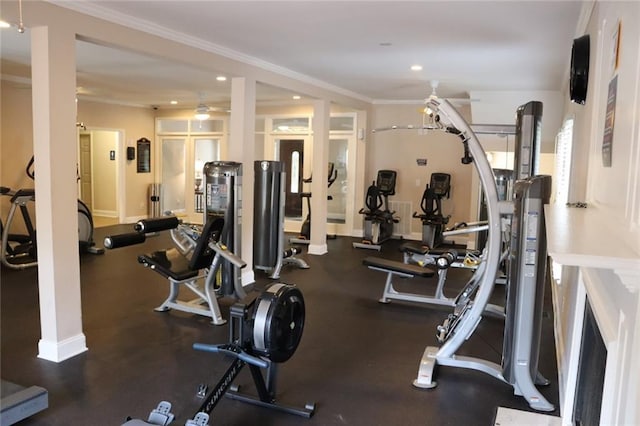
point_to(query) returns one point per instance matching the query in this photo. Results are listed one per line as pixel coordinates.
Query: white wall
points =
(615, 187)
(16, 143)
(500, 108)
(613, 197)
(399, 149)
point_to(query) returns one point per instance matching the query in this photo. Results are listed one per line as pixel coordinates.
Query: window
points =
(562, 174)
(290, 125)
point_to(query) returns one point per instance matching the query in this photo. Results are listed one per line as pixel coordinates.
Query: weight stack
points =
(223, 198)
(267, 213)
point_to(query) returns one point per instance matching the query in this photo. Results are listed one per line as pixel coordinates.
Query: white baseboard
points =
(105, 213)
(62, 350)
(134, 219)
(247, 277)
(317, 249)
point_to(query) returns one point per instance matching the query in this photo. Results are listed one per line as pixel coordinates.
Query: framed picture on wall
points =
(143, 146)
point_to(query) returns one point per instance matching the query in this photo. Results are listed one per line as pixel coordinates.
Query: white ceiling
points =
(362, 47)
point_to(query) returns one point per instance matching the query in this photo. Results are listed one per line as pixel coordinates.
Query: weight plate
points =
(278, 322)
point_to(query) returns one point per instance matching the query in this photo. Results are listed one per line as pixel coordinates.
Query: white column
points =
(321, 116)
(242, 149)
(54, 132)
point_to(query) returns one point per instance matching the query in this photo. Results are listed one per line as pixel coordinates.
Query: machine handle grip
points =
(290, 252)
(123, 240)
(467, 230)
(227, 255)
(446, 259)
(146, 226)
(242, 355)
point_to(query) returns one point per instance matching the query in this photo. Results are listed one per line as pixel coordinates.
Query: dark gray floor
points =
(356, 361)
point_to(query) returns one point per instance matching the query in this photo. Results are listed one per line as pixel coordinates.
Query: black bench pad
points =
(169, 263)
(393, 266)
(414, 248)
(420, 249)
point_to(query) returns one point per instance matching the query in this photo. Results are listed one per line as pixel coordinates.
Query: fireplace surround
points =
(601, 268)
(591, 369)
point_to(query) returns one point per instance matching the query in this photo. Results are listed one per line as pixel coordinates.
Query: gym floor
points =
(356, 361)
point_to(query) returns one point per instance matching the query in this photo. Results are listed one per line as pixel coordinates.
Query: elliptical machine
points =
(305, 229)
(19, 251)
(85, 219)
(433, 221)
(378, 219)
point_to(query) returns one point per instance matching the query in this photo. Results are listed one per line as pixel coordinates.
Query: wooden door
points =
(292, 155)
(86, 193)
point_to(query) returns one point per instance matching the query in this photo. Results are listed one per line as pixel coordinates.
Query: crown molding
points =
(398, 102)
(106, 14)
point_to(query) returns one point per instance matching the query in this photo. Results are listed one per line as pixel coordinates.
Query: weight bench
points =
(404, 270)
(182, 270)
(418, 261)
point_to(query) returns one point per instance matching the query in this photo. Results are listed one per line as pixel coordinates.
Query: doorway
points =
(98, 174)
(182, 161)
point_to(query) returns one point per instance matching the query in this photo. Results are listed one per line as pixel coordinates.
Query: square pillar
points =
(242, 149)
(55, 148)
(321, 117)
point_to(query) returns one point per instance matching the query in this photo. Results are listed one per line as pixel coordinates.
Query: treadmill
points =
(19, 402)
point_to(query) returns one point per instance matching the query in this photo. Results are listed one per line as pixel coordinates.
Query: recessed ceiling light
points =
(296, 97)
(385, 43)
(221, 78)
(4, 24)
(416, 67)
(174, 102)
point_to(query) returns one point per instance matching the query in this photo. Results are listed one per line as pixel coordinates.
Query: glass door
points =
(337, 191)
(341, 192)
(185, 146)
(342, 153)
(289, 140)
(173, 178)
(204, 151)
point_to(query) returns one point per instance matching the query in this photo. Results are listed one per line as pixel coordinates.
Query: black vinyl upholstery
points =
(172, 264)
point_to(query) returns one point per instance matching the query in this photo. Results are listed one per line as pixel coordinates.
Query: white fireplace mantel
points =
(606, 259)
(589, 238)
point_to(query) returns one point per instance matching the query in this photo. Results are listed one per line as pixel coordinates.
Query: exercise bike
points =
(263, 332)
(433, 221)
(378, 219)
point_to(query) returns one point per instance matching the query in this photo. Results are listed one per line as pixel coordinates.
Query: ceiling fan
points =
(203, 111)
(454, 101)
(429, 120)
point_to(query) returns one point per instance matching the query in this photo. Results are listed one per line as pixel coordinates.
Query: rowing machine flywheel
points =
(278, 320)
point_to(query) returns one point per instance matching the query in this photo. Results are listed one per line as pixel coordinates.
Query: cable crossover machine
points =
(527, 266)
